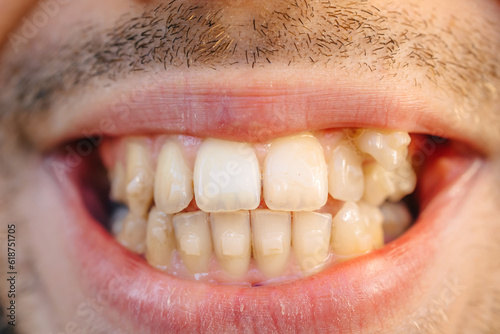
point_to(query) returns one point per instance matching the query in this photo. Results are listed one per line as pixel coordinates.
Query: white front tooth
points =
(231, 239)
(350, 234)
(311, 239)
(378, 184)
(373, 220)
(404, 180)
(140, 176)
(192, 233)
(160, 239)
(345, 174)
(271, 236)
(397, 219)
(388, 148)
(295, 174)
(226, 177)
(173, 188)
(133, 233)
(118, 179)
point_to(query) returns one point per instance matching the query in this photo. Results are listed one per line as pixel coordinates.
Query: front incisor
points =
(173, 187)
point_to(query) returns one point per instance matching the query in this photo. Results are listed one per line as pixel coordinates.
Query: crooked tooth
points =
(381, 184)
(140, 176)
(345, 174)
(192, 233)
(373, 220)
(231, 240)
(173, 187)
(160, 239)
(388, 148)
(226, 177)
(350, 234)
(133, 233)
(397, 219)
(271, 238)
(118, 179)
(310, 239)
(295, 174)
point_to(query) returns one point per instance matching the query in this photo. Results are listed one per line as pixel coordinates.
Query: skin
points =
(450, 56)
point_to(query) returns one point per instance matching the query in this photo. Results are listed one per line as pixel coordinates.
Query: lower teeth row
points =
(233, 236)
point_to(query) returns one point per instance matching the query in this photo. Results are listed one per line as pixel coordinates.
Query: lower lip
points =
(350, 296)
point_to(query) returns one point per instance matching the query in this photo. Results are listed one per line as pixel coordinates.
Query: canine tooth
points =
(133, 233)
(271, 236)
(160, 239)
(192, 233)
(378, 184)
(173, 188)
(397, 219)
(350, 233)
(231, 239)
(310, 239)
(373, 220)
(295, 174)
(226, 177)
(140, 177)
(118, 183)
(388, 148)
(345, 174)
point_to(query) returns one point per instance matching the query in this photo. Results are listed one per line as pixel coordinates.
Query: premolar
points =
(160, 239)
(388, 148)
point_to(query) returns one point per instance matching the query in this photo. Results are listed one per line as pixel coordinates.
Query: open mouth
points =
(185, 228)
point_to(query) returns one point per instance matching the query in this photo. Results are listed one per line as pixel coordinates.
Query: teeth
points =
(350, 234)
(404, 180)
(173, 188)
(192, 233)
(388, 148)
(160, 239)
(118, 183)
(397, 219)
(231, 238)
(373, 220)
(140, 177)
(311, 239)
(345, 174)
(295, 175)
(271, 235)
(133, 233)
(226, 177)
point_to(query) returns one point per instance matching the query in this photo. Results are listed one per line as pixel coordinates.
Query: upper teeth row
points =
(296, 174)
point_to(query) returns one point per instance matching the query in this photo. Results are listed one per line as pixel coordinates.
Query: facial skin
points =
(439, 57)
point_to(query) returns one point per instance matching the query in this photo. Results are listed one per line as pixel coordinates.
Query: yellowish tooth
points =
(160, 239)
(373, 220)
(271, 236)
(295, 174)
(173, 188)
(192, 233)
(404, 180)
(118, 179)
(350, 234)
(226, 177)
(231, 239)
(378, 184)
(397, 219)
(345, 174)
(140, 176)
(133, 233)
(388, 148)
(310, 240)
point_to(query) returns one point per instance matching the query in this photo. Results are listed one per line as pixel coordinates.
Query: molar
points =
(226, 177)
(295, 174)
(173, 187)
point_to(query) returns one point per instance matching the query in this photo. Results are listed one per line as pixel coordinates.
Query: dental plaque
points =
(254, 214)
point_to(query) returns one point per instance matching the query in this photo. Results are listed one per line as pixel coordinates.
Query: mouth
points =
(257, 215)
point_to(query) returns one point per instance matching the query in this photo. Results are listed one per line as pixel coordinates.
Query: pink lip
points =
(355, 295)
